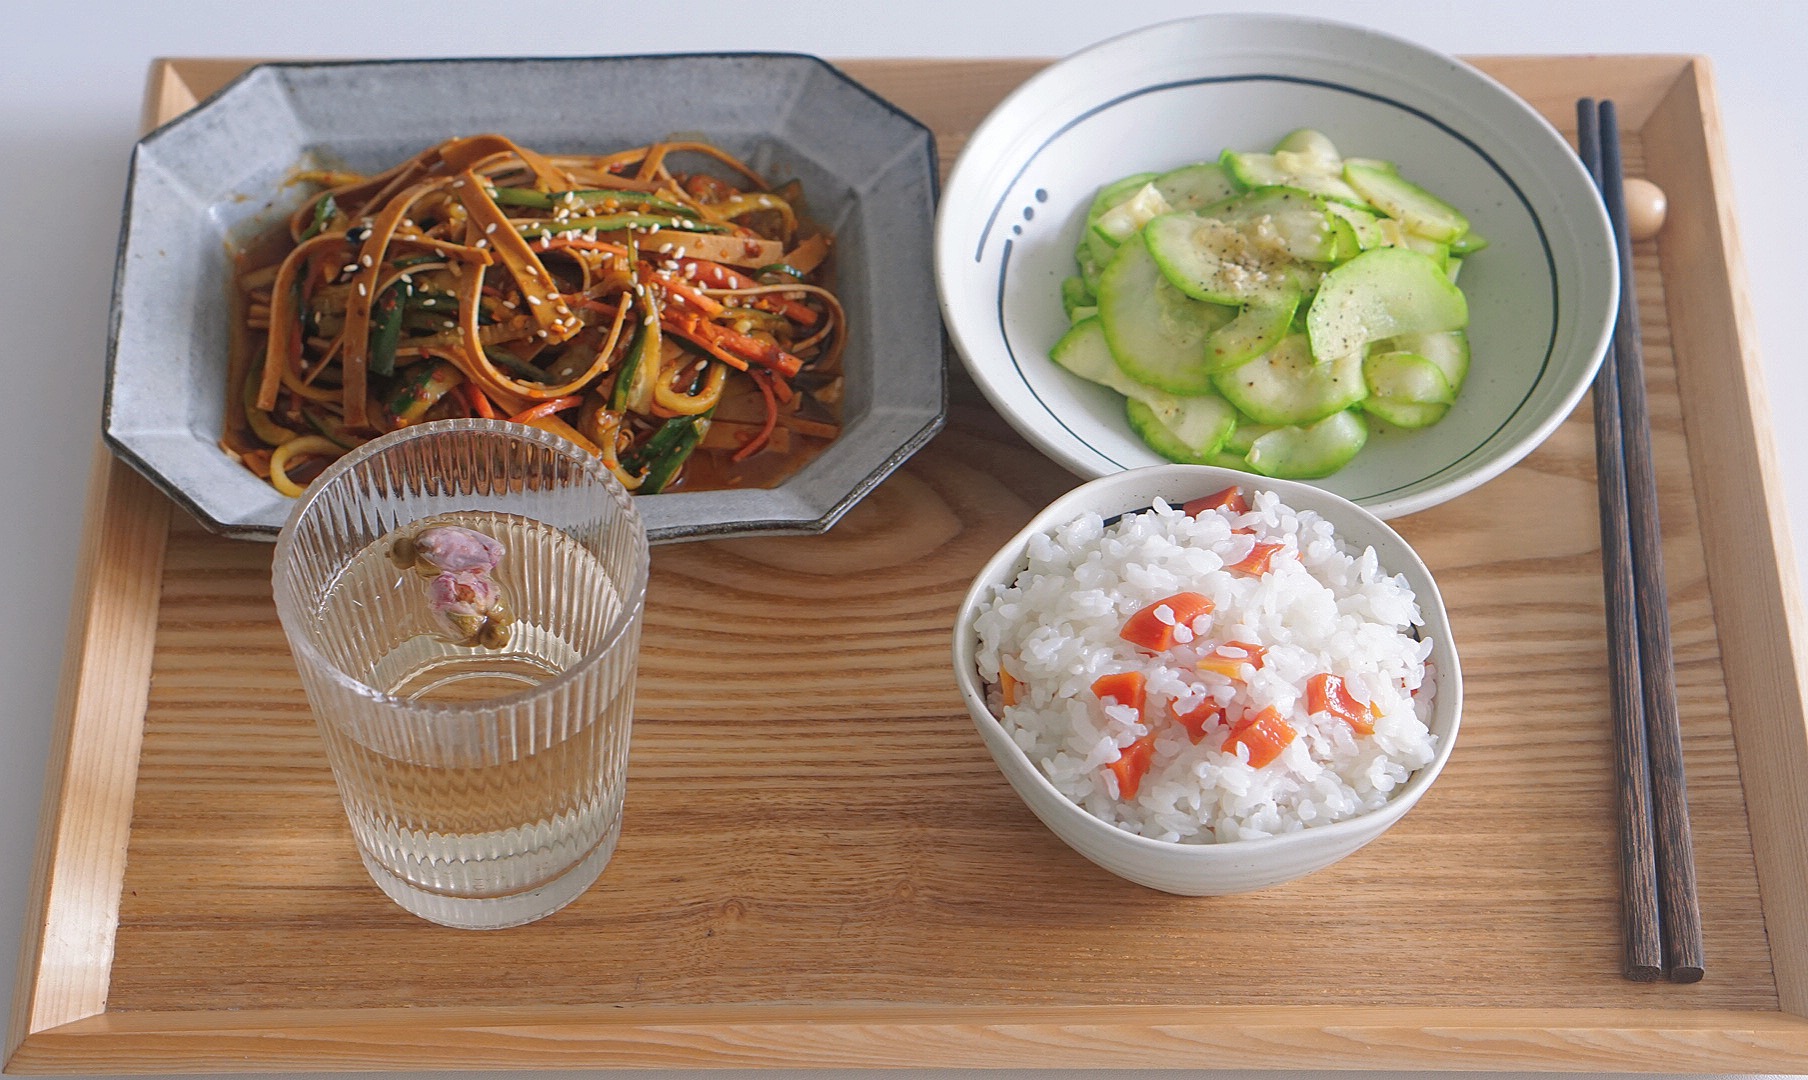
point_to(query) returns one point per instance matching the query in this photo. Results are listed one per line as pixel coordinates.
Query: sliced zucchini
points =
(1193, 187)
(1382, 293)
(1095, 244)
(1310, 144)
(1295, 170)
(1448, 350)
(1156, 332)
(1084, 351)
(1406, 202)
(1399, 236)
(1217, 261)
(1405, 414)
(1403, 376)
(1468, 244)
(1255, 330)
(1185, 429)
(1122, 221)
(1286, 218)
(1074, 293)
(1287, 386)
(1248, 431)
(1306, 453)
(1365, 227)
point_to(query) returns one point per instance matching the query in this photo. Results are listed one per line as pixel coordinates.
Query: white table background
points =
(74, 77)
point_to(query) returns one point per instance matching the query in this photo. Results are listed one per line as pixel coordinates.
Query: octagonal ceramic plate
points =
(205, 180)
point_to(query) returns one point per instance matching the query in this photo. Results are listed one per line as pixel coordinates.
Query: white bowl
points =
(1240, 865)
(1542, 296)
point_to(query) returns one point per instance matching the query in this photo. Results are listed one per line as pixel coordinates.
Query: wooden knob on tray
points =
(1645, 208)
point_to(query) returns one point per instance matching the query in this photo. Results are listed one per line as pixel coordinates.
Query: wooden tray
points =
(822, 867)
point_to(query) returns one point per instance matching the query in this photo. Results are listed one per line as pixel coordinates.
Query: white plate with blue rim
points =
(1541, 296)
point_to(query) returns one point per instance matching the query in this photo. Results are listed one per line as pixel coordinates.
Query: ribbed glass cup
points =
(483, 785)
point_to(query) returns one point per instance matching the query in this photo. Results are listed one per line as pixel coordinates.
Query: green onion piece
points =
(667, 451)
(518, 367)
(388, 330)
(323, 213)
(779, 268)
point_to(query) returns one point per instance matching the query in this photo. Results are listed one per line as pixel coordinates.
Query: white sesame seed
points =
(482, 243)
(458, 183)
(534, 300)
(510, 304)
(361, 290)
(365, 260)
(490, 228)
(450, 324)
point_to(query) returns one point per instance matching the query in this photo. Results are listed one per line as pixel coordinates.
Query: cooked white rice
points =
(1317, 610)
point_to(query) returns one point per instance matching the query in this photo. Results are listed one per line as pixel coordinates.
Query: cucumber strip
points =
(1156, 332)
(1451, 266)
(1448, 350)
(1379, 294)
(1306, 453)
(1291, 170)
(1123, 220)
(1410, 415)
(1193, 187)
(1287, 386)
(1258, 328)
(1404, 376)
(1188, 429)
(1214, 260)
(1413, 206)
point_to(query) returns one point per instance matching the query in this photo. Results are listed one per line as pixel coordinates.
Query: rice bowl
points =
(1295, 711)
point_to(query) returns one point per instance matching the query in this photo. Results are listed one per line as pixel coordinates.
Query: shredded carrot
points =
(691, 329)
(544, 408)
(763, 381)
(476, 402)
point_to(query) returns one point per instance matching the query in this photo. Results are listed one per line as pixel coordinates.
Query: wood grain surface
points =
(821, 866)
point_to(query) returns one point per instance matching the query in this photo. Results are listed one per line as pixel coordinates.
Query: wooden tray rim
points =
(60, 1023)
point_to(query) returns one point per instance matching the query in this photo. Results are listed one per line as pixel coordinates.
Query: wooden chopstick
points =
(1644, 961)
(1652, 667)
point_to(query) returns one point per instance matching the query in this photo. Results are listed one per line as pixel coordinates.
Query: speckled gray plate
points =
(205, 179)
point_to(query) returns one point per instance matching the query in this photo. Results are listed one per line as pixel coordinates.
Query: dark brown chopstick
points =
(1643, 668)
(1644, 960)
